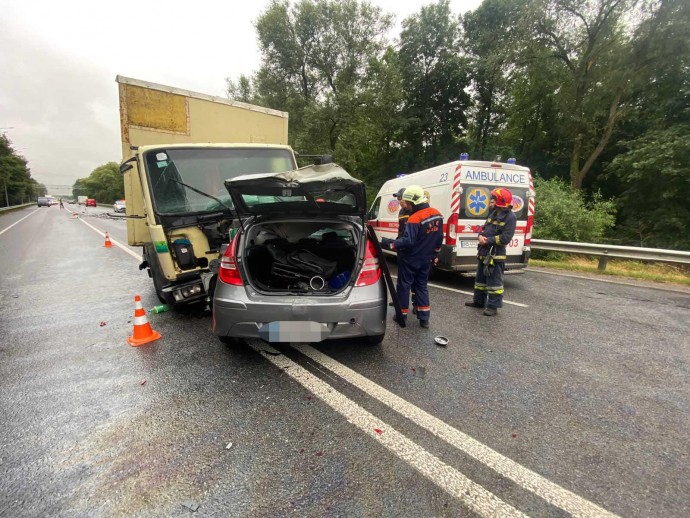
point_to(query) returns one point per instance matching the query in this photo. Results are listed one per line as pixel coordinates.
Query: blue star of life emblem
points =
(478, 202)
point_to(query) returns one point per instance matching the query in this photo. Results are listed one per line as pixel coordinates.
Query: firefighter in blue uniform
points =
(497, 232)
(403, 215)
(420, 244)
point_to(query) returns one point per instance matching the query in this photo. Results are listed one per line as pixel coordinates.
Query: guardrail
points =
(618, 252)
(15, 207)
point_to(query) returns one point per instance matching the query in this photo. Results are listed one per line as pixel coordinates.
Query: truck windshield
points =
(205, 169)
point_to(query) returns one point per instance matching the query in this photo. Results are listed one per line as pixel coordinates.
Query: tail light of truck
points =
(371, 270)
(528, 230)
(452, 229)
(228, 272)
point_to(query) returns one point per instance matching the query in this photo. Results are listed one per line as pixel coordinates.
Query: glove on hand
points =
(387, 243)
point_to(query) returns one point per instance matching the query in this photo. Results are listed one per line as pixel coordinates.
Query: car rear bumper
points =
(359, 314)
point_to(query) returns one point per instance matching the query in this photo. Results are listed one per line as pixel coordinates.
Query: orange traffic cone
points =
(143, 333)
(107, 244)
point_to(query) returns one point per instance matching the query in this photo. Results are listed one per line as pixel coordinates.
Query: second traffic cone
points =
(143, 333)
(107, 244)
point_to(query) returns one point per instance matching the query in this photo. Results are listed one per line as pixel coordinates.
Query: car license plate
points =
(292, 331)
(468, 244)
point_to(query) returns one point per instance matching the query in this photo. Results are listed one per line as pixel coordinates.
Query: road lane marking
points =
(444, 476)
(116, 243)
(467, 293)
(612, 281)
(524, 477)
(19, 221)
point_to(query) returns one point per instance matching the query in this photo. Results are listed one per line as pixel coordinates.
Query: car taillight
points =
(228, 272)
(528, 230)
(452, 229)
(371, 271)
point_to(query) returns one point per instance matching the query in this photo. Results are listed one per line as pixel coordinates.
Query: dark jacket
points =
(499, 229)
(423, 234)
(403, 216)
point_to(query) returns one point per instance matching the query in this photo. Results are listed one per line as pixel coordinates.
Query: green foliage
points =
(655, 176)
(104, 184)
(582, 90)
(435, 78)
(562, 213)
(16, 184)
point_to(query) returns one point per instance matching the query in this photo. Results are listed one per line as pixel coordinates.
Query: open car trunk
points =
(301, 256)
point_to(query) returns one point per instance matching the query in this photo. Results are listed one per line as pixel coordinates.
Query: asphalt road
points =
(575, 399)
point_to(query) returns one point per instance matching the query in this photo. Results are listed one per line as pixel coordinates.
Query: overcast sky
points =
(59, 59)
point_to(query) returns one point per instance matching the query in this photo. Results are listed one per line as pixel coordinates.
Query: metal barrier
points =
(618, 252)
(15, 207)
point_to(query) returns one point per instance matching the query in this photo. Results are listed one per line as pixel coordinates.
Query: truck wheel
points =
(155, 275)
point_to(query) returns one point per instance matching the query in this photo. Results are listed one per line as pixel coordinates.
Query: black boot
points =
(424, 324)
(473, 304)
(490, 312)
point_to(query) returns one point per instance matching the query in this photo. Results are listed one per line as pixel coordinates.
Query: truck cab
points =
(179, 210)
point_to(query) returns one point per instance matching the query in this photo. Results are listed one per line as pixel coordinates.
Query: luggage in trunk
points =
(322, 264)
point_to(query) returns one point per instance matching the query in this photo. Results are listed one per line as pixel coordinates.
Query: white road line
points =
(13, 224)
(468, 293)
(540, 486)
(447, 478)
(611, 281)
(116, 243)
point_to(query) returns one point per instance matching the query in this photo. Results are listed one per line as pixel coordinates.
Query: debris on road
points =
(143, 383)
(378, 431)
(441, 340)
(102, 323)
(228, 446)
(192, 506)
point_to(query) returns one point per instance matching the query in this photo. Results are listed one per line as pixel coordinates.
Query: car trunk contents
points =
(304, 257)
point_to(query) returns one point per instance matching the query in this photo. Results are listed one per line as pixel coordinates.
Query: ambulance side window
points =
(374, 210)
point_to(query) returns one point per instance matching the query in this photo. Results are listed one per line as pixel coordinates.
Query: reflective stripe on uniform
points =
(480, 286)
(495, 290)
(423, 308)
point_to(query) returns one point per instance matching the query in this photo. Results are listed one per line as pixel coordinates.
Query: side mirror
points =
(126, 165)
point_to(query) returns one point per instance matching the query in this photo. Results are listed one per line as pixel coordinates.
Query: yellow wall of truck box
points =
(137, 229)
(155, 114)
(156, 110)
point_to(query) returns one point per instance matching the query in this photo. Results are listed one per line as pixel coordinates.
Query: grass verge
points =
(657, 272)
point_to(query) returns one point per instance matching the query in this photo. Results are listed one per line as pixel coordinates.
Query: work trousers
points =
(414, 276)
(488, 284)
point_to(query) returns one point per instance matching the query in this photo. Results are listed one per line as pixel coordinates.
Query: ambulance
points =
(461, 190)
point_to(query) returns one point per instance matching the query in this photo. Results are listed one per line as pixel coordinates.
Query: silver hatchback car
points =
(300, 267)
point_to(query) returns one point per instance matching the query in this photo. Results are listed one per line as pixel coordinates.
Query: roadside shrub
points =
(562, 213)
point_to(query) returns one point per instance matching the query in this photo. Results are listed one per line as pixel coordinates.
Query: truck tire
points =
(156, 274)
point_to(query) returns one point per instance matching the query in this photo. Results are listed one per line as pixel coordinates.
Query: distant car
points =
(43, 202)
(119, 206)
(90, 202)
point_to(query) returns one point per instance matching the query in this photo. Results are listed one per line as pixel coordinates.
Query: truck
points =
(178, 149)
(81, 200)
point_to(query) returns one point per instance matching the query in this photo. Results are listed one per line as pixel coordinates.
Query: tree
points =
(604, 56)
(435, 77)
(315, 57)
(15, 176)
(104, 184)
(491, 59)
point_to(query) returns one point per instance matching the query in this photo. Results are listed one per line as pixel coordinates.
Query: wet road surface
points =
(575, 401)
